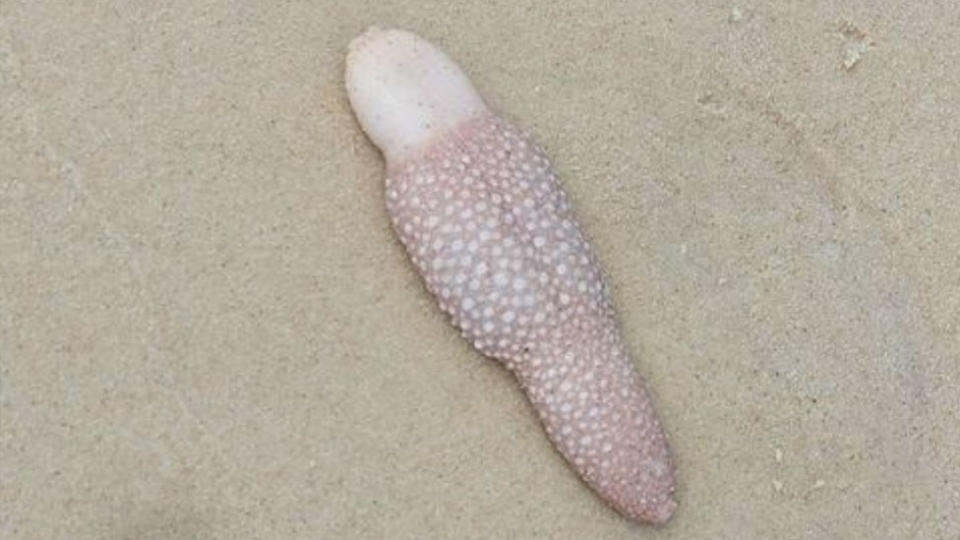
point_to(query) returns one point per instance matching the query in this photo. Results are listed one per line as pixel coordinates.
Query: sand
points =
(208, 330)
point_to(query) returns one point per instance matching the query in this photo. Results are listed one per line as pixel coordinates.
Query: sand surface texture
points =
(208, 329)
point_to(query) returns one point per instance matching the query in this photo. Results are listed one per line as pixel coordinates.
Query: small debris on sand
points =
(858, 43)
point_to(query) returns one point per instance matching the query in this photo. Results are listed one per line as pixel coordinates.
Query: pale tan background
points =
(207, 329)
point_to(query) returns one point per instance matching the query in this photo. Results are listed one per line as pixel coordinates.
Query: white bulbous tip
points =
(405, 92)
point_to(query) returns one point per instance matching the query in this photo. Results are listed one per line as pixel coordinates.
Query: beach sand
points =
(208, 329)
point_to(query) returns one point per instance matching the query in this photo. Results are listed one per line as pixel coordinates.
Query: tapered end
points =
(405, 92)
(661, 513)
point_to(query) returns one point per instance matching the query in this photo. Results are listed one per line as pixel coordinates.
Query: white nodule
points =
(406, 92)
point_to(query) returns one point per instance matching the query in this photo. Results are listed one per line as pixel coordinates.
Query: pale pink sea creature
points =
(483, 218)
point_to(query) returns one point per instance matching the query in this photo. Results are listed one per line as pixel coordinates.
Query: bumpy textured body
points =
(486, 223)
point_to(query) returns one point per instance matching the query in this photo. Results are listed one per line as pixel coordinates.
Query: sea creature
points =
(483, 217)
